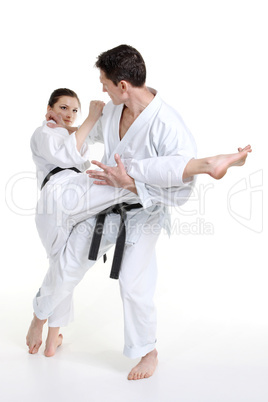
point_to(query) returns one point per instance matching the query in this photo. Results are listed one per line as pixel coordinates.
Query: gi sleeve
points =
(174, 146)
(162, 175)
(162, 171)
(172, 196)
(96, 134)
(57, 147)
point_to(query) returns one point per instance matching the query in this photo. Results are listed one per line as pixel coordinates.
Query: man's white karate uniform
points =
(157, 132)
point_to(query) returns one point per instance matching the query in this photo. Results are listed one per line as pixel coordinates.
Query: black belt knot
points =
(120, 209)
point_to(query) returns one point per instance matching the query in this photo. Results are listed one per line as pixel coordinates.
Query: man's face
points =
(114, 91)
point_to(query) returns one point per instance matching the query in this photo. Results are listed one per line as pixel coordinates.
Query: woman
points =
(60, 157)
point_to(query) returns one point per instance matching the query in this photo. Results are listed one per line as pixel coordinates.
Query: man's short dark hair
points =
(123, 63)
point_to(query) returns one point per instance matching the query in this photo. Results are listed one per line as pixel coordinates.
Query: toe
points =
(130, 376)
(34, 349)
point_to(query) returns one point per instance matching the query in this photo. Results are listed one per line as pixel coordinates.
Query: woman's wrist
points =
(71, 129)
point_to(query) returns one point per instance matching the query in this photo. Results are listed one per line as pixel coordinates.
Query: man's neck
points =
(138, 100)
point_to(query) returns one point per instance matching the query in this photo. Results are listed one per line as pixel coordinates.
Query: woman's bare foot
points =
(145, 368)
(34, 336)
(218, 165)
(54, 340)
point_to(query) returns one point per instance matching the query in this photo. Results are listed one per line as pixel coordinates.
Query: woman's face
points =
(67, 107)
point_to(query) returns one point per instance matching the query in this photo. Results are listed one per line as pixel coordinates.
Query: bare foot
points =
(218, 165)
(54, 340)
(34, 336)
(145, 368)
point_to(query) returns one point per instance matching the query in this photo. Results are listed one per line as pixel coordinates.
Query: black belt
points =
(57, 170)
(120, 209)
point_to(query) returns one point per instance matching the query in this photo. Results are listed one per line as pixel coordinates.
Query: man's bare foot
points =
(218, 165)
(34, 336)
(145, 368)
(54, 340)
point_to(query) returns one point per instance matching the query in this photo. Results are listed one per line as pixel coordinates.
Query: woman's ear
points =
(49, 108)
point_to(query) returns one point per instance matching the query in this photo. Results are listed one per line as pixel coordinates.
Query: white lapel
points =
(136, 127)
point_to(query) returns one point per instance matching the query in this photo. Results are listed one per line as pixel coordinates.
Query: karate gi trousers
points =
(67, 199)
(137, 282)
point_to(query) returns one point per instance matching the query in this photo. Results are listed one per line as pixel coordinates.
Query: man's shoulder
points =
(169, 116)
(166, 108)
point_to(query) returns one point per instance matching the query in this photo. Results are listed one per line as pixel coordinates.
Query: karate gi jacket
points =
(155, 150)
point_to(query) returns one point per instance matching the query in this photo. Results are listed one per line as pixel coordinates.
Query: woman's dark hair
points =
(58, 93)
(123, 63)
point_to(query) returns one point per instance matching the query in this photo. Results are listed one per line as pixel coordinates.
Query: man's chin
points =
(116, 103)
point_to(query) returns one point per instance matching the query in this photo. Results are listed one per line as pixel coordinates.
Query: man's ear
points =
(123, 85)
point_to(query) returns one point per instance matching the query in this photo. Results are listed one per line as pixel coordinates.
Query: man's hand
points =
(112, 176)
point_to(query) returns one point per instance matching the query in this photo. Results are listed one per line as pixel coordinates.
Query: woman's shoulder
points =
(55, 131)
(45, 134)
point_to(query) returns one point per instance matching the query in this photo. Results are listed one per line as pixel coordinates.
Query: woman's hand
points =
(58, 121)
(95, 110)
(51, 115)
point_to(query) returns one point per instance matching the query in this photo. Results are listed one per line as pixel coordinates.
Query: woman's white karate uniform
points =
(157, 132)
(68, 197)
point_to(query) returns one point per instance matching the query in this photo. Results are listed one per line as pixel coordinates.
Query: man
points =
(137, 125)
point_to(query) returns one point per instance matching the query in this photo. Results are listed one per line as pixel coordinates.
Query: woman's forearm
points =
(95, 111)
(83, 131)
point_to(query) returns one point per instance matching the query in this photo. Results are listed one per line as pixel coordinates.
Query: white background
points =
(208, 59)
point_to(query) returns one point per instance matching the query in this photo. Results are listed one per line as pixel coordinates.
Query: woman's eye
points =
(63, 107)
(75, 110)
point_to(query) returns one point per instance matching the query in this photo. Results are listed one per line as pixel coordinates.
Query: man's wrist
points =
(130, 185)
